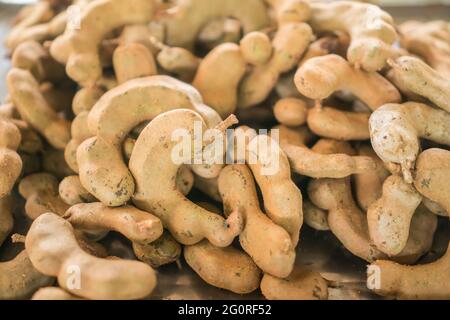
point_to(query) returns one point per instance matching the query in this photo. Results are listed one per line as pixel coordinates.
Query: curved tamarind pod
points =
(38, 13)
(34, 109)
(419, 233)
(185, 176)
(421, 236)
(428, 281)
(44, 29)
(302, 284)
(419, 78)
(402, 88)
(289, 43)
(306, 162)
(154, 167)
(218, 77)
(110, 124)
(345, 219)
(226, 268)
(272, 171)
(430, 40)
(134, 224)
(432, 175)
(179, 61)
(19, 279)
(395, 130)
(183, 23)
(371, 30)
(323, 46)
(256, 48)
(319, 77)
(327, 147)
(77, 48)
(83, 102)
(267, 243)
(332, 123)
(390, 216)
(133, 61)
(54, 251)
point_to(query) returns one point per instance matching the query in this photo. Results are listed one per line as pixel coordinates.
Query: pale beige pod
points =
(54, 251)
(19, 279)
(226, 268)
(432, 176)
(302, 284)
(390, 216)
(421, 282)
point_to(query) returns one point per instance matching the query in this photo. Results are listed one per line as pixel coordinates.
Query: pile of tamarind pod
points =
(97, 88)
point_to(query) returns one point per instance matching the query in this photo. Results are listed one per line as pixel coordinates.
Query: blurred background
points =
(401, 10)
